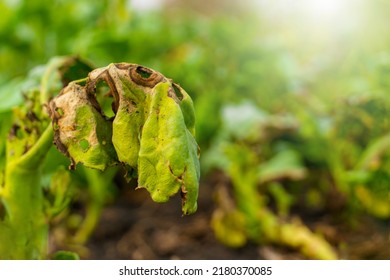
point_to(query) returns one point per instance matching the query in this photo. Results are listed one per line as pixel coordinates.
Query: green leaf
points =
(284, 165)
(168, 160)
(65, 255)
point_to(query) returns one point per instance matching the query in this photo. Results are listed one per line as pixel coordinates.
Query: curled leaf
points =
(80, 130)
(152, 131)
(168, 154)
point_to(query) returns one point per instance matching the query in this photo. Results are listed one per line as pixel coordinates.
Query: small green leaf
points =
(65, 255)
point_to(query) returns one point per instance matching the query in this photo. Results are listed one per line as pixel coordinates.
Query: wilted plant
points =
(151, 134)
(253, 151)
(334, 163)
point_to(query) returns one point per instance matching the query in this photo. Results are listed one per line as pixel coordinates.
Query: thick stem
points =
(24, 231)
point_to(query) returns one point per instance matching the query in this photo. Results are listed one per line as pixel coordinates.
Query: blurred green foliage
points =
(291, 107)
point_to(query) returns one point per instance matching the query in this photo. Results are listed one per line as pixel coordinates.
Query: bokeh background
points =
(292, 102)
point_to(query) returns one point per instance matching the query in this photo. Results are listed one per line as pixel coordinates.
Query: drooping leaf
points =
(168, 160)
(152, 132)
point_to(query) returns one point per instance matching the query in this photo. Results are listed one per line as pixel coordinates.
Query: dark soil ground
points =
(134, 227)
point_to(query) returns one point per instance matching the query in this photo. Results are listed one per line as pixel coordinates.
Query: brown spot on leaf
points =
(183, 195)
(144, 76)
(32, 116)
(72, 165)
(28, 130)
(170, 169)
(60, 146)
(177, 91)
(26, 148)
(13, 132)
(3, 212)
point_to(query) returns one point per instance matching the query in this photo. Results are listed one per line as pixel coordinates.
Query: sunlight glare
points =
(146, 5)
(325, 9)
(332, 15)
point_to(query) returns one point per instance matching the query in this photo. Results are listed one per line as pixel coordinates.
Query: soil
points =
(134, 227)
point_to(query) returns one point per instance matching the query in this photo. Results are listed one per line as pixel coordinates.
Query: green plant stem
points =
(262, 225)
(98, 184)
(24, 231)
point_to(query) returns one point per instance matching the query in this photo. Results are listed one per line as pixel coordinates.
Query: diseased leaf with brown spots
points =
(152, 133)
